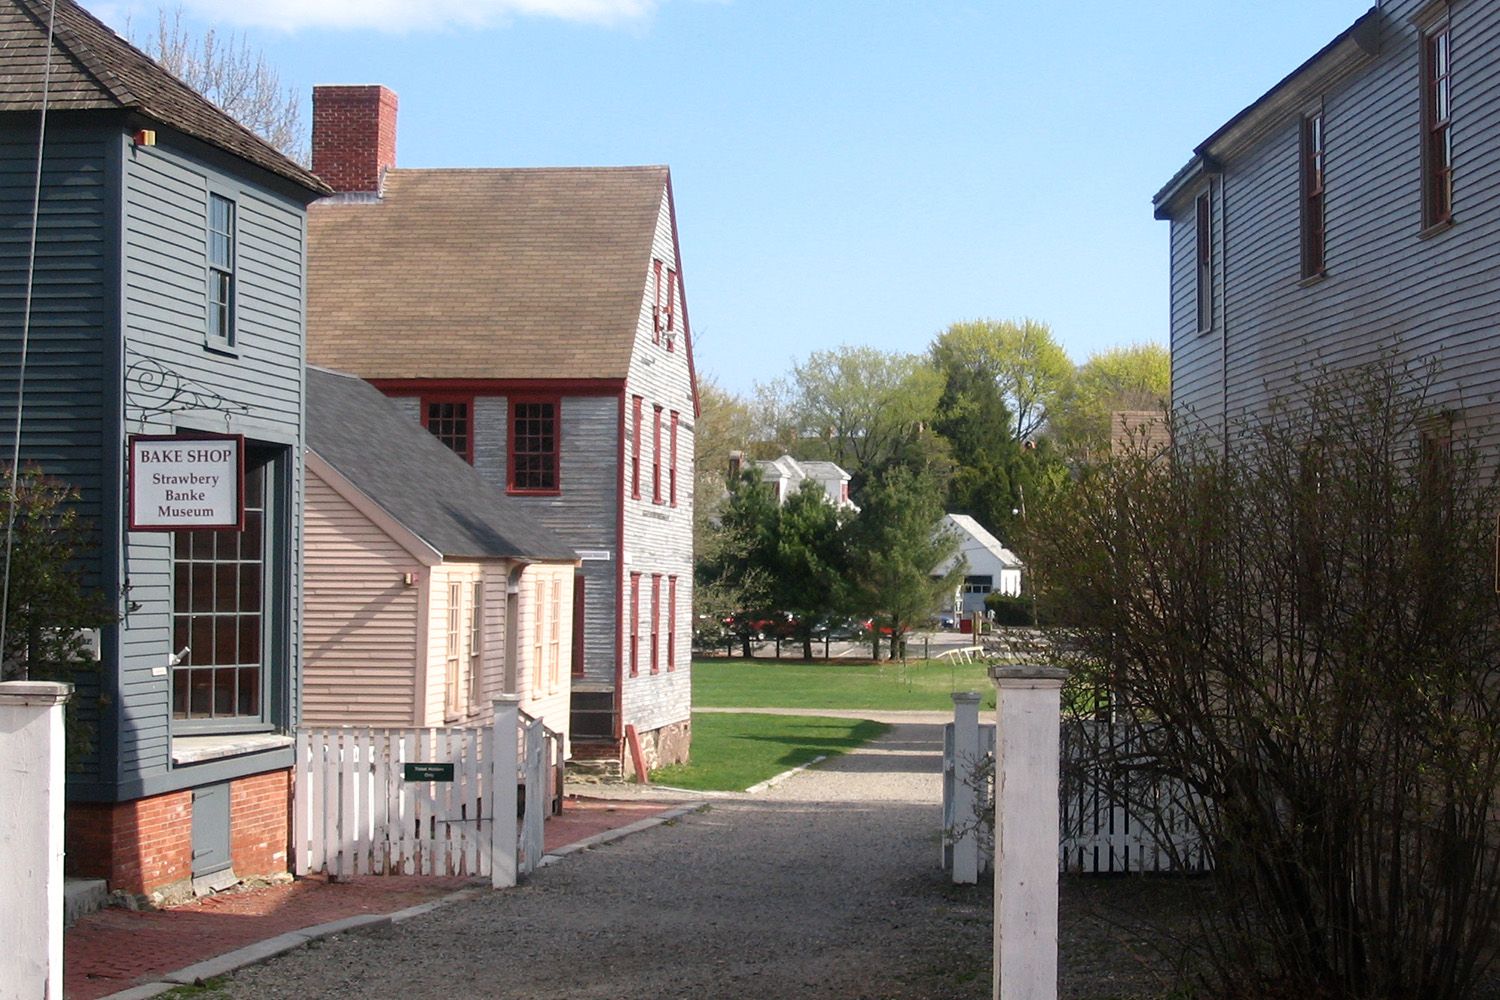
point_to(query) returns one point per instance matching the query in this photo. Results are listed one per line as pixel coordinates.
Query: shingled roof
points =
(415, 478)
(94, 69)
(514, 273)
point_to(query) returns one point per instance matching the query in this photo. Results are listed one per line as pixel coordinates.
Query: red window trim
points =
(635, 624)
(635, 448)
(510, 445)
(672, 485)
(1313, 236)
(671, 300)
(656, 454)
(656, 623)
(671, 623)
(451, 397)
(1437, 129)
(656, 316)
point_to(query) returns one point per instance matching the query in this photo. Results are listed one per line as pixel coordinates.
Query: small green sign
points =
(429, 772)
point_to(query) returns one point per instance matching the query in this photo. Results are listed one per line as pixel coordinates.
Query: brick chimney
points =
(353, 136)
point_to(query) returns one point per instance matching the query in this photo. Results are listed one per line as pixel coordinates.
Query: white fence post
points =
(966, 820)
(503, 791)
(1027, 723)
(31, 836)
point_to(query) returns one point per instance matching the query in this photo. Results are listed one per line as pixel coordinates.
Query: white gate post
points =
(31, 835)
(1027, 723)
(966, 778)
(503, 791)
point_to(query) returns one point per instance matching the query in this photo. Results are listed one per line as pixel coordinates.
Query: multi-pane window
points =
(221, 253)
(635, 447)
(655, 622)
(656, 454)
(218, 608)
(671, 623)
(635, 624)
(539, 640)
(533, 446)
(1312, 195)
(1205, 262)
(476, 644)
(979, 584)
(448, 420)
(658, 317)
(671, 308)
(672, 487)
(1437, 127)
(554, 639)
(453, 649)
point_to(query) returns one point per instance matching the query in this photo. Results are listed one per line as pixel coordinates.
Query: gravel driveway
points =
(826, 885)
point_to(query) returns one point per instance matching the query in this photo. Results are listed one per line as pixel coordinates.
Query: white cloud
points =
(399, 16)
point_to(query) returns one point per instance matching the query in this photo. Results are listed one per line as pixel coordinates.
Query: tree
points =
(1024, 360)
(1133, 377)
(48, 606)
(812, 562)
(233, 76)
(735, 572)
(896, 549)
(862, 408)
(1300, 626)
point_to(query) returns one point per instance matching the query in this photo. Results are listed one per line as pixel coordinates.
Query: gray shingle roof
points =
(94, 69)
(536, 273)
(415, 478)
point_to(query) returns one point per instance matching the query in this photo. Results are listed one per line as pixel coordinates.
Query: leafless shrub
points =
(1300, 624)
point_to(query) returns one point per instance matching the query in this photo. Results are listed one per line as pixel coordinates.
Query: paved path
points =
(826, 885)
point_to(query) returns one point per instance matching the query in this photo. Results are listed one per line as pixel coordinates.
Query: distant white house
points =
(786, 476)
(993, 569)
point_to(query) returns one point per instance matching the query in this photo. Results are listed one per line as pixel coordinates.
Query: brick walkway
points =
(115, 949)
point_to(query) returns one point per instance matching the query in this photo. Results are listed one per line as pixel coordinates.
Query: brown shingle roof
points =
(534, 273)
(95, 69)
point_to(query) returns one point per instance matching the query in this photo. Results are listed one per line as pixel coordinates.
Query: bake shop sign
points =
(186, 482)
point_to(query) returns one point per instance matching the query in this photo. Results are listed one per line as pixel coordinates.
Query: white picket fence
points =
(424, 801)
(1111, 820)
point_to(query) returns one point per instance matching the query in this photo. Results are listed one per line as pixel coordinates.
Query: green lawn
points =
(732, 751)
(920, 684)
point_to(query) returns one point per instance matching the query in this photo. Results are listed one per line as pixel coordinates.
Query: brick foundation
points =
(147, 844)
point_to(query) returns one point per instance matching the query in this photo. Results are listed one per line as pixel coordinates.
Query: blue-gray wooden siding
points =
(1386, 287)
(122, 247)
(164, 280)
(63, 429)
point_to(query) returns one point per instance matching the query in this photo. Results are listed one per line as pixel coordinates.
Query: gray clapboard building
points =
(167, 302)
(534, 321)
(1350, 210)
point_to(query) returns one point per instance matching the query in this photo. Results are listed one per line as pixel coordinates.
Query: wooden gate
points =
(423, 801)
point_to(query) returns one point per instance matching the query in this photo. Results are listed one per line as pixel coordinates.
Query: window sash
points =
(635, 447)
(1437, 110)
(534, 440)
(671, 623)
(672, 486)
(635, 624)
(1313, 259)
(221, 612)
(450, 420)
(655, 623)
(656, 454)
(221, 268)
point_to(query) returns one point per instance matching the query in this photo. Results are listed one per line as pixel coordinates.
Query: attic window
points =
(658, 318)
(448, 421)
(533, 446)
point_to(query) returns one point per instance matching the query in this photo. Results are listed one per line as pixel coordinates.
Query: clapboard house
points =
(429, 593)
(1353, 209)
(163, 380)
(534, 321)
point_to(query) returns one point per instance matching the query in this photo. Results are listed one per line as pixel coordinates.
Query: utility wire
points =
(36, 211)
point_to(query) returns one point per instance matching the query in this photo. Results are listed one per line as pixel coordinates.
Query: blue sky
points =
(845, 173)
